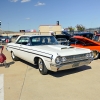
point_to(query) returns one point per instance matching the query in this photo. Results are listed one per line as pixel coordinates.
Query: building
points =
(45, 29)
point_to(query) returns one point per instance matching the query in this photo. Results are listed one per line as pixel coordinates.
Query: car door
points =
(17, 47)
(25, 49)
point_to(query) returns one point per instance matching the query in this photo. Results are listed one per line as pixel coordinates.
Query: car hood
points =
(60, 50)
(86, 40)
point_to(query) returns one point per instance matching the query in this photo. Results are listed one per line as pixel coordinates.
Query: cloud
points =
(13, 0)
(23, 1)
(27, 18)
(39, 4)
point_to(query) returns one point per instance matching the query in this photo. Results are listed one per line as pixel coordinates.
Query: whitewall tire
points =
(13, 56)
(42, 68)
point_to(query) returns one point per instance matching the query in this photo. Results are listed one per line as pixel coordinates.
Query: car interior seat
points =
(46, 40)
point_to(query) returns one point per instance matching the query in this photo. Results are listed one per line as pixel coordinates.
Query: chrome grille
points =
(76, 57)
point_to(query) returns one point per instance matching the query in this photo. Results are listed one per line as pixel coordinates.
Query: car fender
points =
(47, 61)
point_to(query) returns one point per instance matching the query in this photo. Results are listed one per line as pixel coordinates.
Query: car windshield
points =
(43, 40)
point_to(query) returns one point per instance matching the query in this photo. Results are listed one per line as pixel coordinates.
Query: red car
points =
(83, 42)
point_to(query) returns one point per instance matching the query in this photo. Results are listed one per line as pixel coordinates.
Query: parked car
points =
(68, 36)
(47, 54)
(5, 39)
(13, 37)
(84, 34)
(83, 42)
(0, 37)
(62, 39)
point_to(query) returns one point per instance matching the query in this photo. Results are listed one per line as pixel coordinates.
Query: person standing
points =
(95, 32)
(94, 36)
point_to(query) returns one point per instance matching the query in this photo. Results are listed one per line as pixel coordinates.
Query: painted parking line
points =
(1, 87)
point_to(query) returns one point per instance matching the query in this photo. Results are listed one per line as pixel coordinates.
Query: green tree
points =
(80, 28)
(71, 29)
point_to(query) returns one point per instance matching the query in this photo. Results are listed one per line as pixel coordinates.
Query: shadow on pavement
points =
(29, 64)
(60, 73)
(8, 64)
(69, 71)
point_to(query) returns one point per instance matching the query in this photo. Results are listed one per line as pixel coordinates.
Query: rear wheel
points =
(15, 58)
(42, 68)
(95, 54)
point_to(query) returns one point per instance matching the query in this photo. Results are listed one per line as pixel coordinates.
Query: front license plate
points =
(75, 64)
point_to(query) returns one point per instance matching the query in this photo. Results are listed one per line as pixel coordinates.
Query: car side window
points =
(19, 41)
(23, 41)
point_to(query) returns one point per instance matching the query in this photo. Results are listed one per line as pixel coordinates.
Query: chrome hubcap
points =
(40, 65)
(13, 55)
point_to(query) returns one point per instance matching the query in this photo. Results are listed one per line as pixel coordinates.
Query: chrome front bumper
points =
(71, 65)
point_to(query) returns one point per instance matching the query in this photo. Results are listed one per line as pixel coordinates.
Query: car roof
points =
(33, 35)
(60, 34)
(83, 33)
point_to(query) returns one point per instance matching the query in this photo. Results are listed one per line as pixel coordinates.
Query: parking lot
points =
(22, 81)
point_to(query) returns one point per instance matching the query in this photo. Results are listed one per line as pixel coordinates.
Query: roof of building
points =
(50, 25)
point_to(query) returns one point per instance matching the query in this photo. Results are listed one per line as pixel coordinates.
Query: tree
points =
(80, 28)
(71, 29)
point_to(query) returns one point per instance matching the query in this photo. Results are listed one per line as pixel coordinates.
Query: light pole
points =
(0, 24)
(0, 28)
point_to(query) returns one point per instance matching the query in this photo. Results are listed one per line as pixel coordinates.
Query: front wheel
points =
(95, 54)
(13, 56)
(42, 68)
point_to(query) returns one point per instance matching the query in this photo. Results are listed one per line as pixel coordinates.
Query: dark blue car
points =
(84, 34)
(5, 39)
(68, 36)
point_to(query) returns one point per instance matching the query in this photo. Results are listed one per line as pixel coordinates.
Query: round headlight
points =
(58, 60)
(88, 55)
(63, 59)
(91, 53)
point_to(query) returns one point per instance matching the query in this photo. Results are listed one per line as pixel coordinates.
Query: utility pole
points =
(0, 24)
(0, 28)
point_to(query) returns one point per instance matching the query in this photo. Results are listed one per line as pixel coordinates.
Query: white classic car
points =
(47, 54)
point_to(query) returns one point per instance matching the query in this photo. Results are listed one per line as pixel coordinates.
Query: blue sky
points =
(29, 14)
